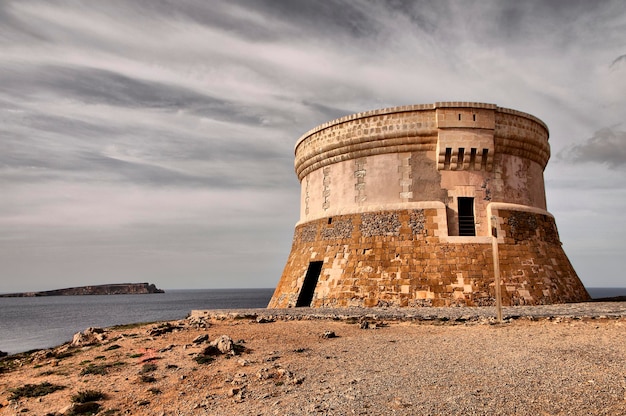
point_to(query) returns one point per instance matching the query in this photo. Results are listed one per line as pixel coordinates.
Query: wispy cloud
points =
(139, 118)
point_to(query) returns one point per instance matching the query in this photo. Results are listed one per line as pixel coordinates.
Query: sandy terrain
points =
(526, 366)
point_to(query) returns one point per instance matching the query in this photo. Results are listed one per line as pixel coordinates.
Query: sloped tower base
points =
(397, 258)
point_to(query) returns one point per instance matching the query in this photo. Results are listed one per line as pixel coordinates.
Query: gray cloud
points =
(139, 131)
(606, 146)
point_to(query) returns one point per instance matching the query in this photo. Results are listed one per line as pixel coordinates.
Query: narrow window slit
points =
(483, 161)
(473, 158)
(459, 163)
(446, 162)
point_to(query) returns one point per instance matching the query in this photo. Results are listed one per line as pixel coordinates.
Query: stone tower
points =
(398, 205)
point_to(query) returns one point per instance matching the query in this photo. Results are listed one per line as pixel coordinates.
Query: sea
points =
(42, 322)
(35, 323)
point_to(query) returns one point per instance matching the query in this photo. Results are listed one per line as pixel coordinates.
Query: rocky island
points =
(111, 289)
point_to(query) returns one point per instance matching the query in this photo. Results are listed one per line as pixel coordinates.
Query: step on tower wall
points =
(398, 206)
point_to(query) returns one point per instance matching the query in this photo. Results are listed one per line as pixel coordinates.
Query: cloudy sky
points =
(153, 140)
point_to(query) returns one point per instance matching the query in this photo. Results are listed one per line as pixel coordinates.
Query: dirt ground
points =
(570, 366)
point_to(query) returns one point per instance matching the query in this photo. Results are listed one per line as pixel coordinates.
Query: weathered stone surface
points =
(382, 211)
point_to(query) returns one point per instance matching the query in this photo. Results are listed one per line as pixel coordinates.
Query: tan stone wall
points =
(379, 210)
(423, 153)
(395, 258)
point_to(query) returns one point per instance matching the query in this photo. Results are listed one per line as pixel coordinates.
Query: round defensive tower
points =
(398, 205)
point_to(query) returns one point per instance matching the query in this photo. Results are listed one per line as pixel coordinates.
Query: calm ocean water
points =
(31, 323)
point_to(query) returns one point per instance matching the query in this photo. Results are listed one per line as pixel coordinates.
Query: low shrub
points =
(112, 347)
(34, 390)
(95, 369)
(145, 378)
(148, 368)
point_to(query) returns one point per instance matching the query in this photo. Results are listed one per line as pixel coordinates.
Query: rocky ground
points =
(552, 360)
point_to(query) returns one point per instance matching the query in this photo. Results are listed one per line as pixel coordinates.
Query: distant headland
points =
(113, 289)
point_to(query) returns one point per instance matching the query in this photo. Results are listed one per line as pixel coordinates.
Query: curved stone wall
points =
(396, 208)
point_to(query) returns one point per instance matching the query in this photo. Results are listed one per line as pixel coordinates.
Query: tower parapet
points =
(396, 206)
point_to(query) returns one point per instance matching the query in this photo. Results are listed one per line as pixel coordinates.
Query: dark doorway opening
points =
(310, 281)
(466, 217)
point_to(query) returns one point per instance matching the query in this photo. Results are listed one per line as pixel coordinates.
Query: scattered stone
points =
(288, 377)
(89, 336)
(200, 339)
(162, 329)
(224, 345)
(235, 391)
(168, 348)
(264, 374)
(239, 379)
(198, 322)
(329, 334)
(265, 320)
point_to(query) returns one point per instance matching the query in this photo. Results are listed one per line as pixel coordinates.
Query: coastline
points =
(552, 359)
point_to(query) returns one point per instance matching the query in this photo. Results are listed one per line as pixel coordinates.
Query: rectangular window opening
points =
(474, 117)
(330, 220)
(446, 163)
(308, 286)
(459, 117)
(473, 158)
(459, 162)
(483, 161)
(466, 217)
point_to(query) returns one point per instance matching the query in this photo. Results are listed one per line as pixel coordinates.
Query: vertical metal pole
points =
(496, 266)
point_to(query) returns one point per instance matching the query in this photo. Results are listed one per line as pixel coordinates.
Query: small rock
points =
(264, 320)
(224, 344)
(329, 334)
(264, 374)
(235, 391)
(168, 348)
(90, 336)
(200, 339)
(84, 408)
(3, 354)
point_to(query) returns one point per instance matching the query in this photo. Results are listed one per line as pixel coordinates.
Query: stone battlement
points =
(416, 128)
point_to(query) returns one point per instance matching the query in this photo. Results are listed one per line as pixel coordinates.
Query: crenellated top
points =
(421, 128)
